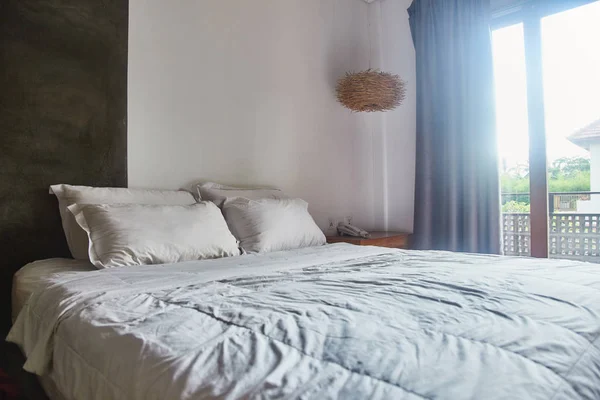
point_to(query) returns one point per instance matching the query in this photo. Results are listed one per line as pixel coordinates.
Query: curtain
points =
(457, 198)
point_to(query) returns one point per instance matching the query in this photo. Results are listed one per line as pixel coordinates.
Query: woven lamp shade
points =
(371, 91)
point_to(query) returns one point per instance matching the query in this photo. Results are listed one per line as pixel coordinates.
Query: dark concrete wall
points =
(63, 108)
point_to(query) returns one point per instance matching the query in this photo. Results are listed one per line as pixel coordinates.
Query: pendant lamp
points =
(371, 91)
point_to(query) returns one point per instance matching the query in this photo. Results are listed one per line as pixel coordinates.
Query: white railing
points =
(516, 234)
(573, 236)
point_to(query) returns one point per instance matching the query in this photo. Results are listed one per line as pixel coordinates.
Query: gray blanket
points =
(337, 321)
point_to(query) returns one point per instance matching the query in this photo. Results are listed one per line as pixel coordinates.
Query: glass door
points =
(513, 137)
(547, 71)
(571, 65)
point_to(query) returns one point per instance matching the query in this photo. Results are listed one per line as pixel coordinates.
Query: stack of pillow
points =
(115, 227)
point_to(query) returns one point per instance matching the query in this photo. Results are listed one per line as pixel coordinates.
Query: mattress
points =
(33, 275)
(338, 321)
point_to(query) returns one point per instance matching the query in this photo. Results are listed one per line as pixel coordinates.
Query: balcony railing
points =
(572, 235)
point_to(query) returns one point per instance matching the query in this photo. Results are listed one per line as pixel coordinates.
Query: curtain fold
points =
(457, 198)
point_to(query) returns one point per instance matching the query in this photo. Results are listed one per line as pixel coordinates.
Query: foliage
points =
(579, 182)
(568, 167)
(568, 174)
(513, 184)
(515, 207)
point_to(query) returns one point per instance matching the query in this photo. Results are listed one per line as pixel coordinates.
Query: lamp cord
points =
(369, 34)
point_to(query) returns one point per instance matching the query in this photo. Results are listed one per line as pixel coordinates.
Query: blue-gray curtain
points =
(457, 199)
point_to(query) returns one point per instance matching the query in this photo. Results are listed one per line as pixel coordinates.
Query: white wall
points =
(242, 92)
(593, 204)
(399, 126)
(595, 167)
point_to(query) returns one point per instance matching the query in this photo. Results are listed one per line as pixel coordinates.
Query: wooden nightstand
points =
(396, 240)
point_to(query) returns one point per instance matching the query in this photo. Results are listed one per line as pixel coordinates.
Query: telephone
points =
(345, 229)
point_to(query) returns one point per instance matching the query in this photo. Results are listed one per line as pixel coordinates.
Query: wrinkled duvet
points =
(337, 321)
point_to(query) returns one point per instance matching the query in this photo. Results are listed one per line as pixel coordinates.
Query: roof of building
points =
(587, 135)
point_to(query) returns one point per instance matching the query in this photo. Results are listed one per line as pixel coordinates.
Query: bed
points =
(334, 321)
(38, 273)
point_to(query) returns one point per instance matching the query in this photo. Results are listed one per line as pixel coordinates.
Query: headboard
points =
(63, 108)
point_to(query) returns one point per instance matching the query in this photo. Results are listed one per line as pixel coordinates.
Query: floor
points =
(15, 383)
(9, 389)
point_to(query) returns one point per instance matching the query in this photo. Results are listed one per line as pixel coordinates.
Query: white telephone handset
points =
(345, 229)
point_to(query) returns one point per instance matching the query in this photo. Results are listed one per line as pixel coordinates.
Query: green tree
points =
(567, 174)
(568, 167)
(515, 207)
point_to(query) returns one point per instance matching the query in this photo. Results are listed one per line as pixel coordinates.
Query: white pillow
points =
(272, 224)
(140, 234)
(221, 194)
(67, 195)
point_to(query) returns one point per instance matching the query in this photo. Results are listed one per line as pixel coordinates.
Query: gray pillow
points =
(268, 225)
(222, 194)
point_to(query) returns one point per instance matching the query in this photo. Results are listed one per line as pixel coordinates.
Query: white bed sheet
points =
(33, 275)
